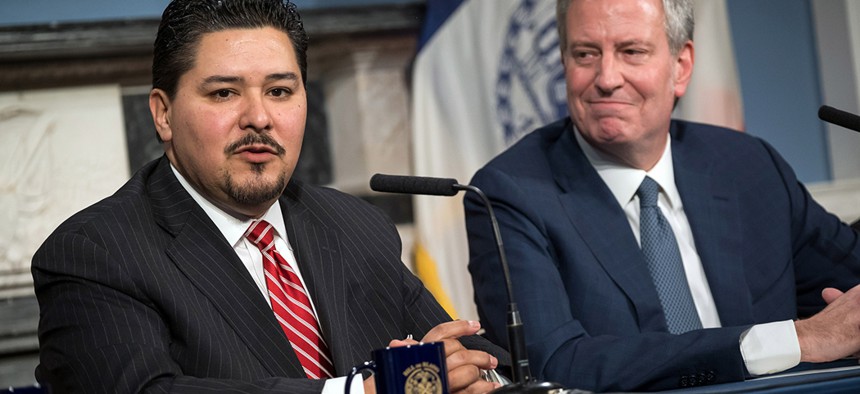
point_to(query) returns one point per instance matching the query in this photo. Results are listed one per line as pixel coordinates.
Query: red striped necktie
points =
(291, 305)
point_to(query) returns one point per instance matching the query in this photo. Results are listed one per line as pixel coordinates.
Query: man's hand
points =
(834, 332)
(830, 294)
(369, 385)
(464, 365)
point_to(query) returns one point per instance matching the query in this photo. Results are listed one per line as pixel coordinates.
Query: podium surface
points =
(835, 380)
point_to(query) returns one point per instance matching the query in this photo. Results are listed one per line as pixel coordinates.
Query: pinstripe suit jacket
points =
(141, 292)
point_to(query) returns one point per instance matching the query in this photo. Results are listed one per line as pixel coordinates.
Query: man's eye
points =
(584, 56)
(223, 93)
(279, 92)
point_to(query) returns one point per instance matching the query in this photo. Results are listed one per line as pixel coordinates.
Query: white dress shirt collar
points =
(623, 181)
(232, 228)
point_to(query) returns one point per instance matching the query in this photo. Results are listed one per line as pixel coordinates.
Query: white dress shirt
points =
(234, 230)
(766, 348)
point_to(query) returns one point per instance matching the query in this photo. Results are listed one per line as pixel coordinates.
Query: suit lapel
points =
(714, 219)
(211, 265)
(320, 259)
(602, 225)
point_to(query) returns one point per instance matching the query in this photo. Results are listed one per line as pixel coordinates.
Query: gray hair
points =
(678, 24)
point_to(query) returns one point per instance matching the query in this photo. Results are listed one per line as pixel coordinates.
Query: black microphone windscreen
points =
(413, 185)
(839, 117)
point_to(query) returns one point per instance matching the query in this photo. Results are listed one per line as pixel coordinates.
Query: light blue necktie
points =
(664, 262)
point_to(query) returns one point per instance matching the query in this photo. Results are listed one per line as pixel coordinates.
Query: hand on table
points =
(464, 365)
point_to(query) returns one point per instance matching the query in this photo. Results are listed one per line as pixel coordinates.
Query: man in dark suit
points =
(618, 295)
(212, 270)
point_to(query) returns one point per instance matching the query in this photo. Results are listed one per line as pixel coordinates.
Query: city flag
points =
(487, 72)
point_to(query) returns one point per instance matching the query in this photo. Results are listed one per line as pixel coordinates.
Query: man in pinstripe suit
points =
(156, 288)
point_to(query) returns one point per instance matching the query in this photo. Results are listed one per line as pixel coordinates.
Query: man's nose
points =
(609, 76)
(255, 114)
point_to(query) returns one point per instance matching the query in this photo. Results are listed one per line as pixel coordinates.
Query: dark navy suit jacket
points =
(591, 313)
(141, 292)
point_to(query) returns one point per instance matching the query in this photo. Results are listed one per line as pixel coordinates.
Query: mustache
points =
(256, 139)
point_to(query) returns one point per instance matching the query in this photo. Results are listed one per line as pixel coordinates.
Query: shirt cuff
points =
(770, 348)
(338, 385)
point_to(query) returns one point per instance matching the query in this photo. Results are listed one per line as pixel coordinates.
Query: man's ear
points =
(684, 69)
(160, 106)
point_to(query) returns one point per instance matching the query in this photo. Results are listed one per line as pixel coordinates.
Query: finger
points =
(467, 379)
(477, 358)
(402, 342)
(452, 346)
(479, 387)
(463, 377)
(452, 329)
(830, 294)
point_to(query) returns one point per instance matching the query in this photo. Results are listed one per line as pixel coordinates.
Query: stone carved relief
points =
(60, 151)
(25, 143)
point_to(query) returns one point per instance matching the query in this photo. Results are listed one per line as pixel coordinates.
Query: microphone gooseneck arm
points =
(523, 381)
(500, 247)
(516, 336)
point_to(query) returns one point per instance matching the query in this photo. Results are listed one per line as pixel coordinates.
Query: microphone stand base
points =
(530, 387)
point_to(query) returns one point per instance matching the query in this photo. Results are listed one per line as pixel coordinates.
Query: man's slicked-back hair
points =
(184, 22)
(679, 23)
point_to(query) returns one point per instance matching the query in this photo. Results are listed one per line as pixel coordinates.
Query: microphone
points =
(414, 185)
(523, 381)
(839, 117)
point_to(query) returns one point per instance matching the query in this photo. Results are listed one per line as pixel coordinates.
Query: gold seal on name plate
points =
(422, 378)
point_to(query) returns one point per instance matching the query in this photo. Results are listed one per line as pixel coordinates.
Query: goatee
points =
(257, 190)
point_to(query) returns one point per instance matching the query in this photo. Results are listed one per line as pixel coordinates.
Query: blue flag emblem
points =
(530, 88)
